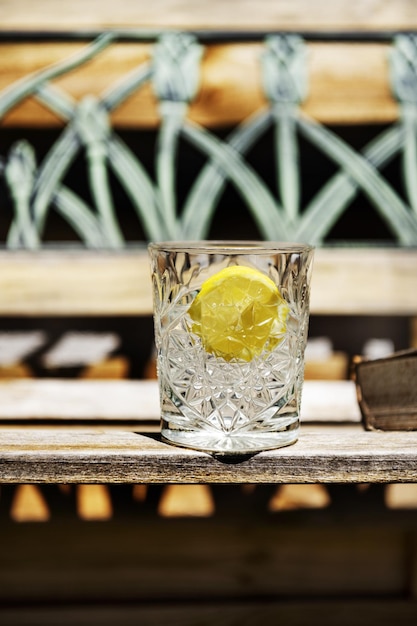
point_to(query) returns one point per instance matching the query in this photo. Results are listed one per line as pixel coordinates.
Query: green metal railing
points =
(37, 189)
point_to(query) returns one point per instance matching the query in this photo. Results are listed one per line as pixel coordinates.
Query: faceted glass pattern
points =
(229, 406)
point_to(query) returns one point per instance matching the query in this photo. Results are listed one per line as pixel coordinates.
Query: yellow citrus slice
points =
(238, 313)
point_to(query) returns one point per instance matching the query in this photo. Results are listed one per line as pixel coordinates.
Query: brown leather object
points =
(387, 391)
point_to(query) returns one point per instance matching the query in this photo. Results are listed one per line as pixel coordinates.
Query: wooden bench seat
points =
(55, 431)
(344, 558)
(72, 282)
(323, 454)
(370, 281)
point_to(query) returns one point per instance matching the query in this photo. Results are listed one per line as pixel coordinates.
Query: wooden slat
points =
(239, 14)
(348, 83)
(327, 454)
(346, 281)
(364, 281)
(138, 401)
(83, 400)
(213, 560)
(362, 612)
(70, 282)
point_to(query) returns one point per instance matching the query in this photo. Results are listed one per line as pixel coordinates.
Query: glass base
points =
(224, 444)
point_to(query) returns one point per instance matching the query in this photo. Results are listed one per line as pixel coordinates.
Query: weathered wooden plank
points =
(362, 612)
(387, 392)
(367, 281)
(329, 454)
(75, 282)
(373, 281)
(137, 401)
(206, 559)
(79, 400)
(348, 83)
(222, 14)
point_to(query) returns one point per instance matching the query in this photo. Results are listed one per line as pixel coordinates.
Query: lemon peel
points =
(238, 313)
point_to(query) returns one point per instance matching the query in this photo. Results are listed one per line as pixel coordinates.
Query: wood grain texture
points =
(75, 282)
(221, 562)
(362, 612)
(359, 281)
(387, 392)
(80, 400)
(348, 83)
(83, 282)
(197, 560)
(328, 454)
(222, 14)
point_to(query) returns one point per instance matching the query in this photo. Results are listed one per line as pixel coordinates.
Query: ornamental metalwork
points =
(38, 187)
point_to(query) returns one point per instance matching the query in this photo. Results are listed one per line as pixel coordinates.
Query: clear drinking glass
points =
(231, 322)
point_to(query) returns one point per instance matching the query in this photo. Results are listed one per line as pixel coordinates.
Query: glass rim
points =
(230, 246)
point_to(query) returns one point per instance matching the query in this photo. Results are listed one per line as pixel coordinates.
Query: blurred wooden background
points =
(347, 85)
(308, 554)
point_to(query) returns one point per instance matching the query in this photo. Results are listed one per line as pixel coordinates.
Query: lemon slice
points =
(238, 313)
